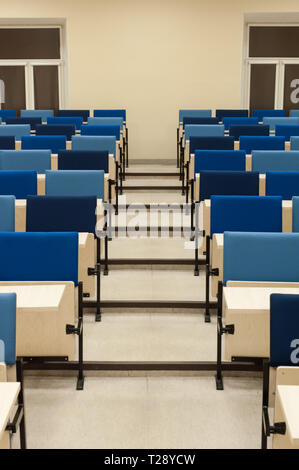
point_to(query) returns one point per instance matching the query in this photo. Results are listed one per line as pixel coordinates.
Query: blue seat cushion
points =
(7, 142)
(67, 130)
(261, 113)
(94, 142)
(199, 120)
(18, 183)
(106, 121)
(203, 131)
(110, 113)
(274, 121)
(7, 113)
(33, 121)
(211, 143)
(35, 256)
(246, 214)
(239, 121)
(17, 130)
(249, 143)
(61, 214)
(285, 184)
(84, 113)
(219, 160)
(275, 160)
(239, 183)
(83, 160)
(55, 143)
(75, 183)
(39, 160)
(287, 130)
(284, 324)
(42, 113)
(221, 113)
(62, 120)
(8, 314)
(237, 131)
(89, 129)
(7, 214)
(268, 257)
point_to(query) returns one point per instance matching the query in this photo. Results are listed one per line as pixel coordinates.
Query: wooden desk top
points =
(8, 394)
(29, 297)
(252, 299)
(289, 399)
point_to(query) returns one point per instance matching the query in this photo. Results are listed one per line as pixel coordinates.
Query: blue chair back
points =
(259, 129)
(110, 113)
(18, 131)
(7, 142)
(42, 113)
(284, 184)
(221, 113)
(94, 142)
(75, 183)
(106, 121)
(90, 129)
(249, 143)
(239, 121)
(39, 160)
(246, 214)
(7, 214)
(284, 323)
(294, 143)
(67, 130)
(84, 113)
(295, 214)
(239, 183)
(55, 143)
(274, 121)
(28, 256)
(7, 113)
(18, 183)
(219, 160)
(261, 113)
(199, 120)
(287, 130)
(267, 257)
(8, 321)
(61, 214)
(203, 131)
(204, 113)
(275, 160)
(211, 143)
(63, 120)
(294, 113)
(83, 160)
(33, 121)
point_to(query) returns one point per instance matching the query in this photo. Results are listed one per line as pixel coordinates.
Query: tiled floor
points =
(146, 410)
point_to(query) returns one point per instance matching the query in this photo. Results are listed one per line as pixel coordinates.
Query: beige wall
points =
(151, 57)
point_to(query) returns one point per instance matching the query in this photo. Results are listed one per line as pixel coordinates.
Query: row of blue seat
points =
(222, 113)
(44, 114)
(286, 130)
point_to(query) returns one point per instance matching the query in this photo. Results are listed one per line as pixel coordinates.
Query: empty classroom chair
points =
(94, 142)
(84, 113)
(7, 214)
(228, 183)
(91, 129)
(39, 160)
(275, 160)
(7, 113)
(237, 130)
(211, 143)
(75, 183)
(64, 120)
(284, 322)
(106, 121)
(285, 184)
(294, 113)
(66, 130)
(221, 113)
(192, 130)
(18, 131)
(250, 143)
(55, 143)
(18, 183)
(7, 142)
(199, 120)
(41, 113)
(239, 121)
(287, 130)
(272, 122)
(261, 113)
(110, 113)
(32, 121)
(294, 143)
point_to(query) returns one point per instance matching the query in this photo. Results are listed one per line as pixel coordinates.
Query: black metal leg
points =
(19, 368)
(207, 312)
(187, 182)
(183, 179)
(219, 379)
(196, 235)
(80, 378)
(106, 256)
(116, 189)
(127, 147)
(123, 164)
(192, 205)
(177, 148)
(98, 271)
(265, 400)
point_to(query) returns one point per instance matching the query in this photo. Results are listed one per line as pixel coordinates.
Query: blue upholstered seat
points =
(261, 113)
(42, 113)
(249, 143)
(8, 320)
(194, 113)
(75, 183)
(32, 121)
(285, 184)
(295, 214)
(294, 113)
(55, 143)
(7, 214)
(239, 121)
(94, 142)
(35, 256)
(84, 113)
(18, 131)
(39, 160)
(268, 257)
(294, 143)
(7, 142)
(221, 113)
(200, 120)
(7, 113)
(62, 120)
(61, 214)
(275, 160)
(83, 160)
(246, 214)
(90, 129)
(228, 183)
(18, 183)
(284, 325)
(203, 131)
(272, 122)
(110, 113)
(211, 143)
(66, 130)
(287, 130)
(237, 131)
(106, 121)
(219, 160)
